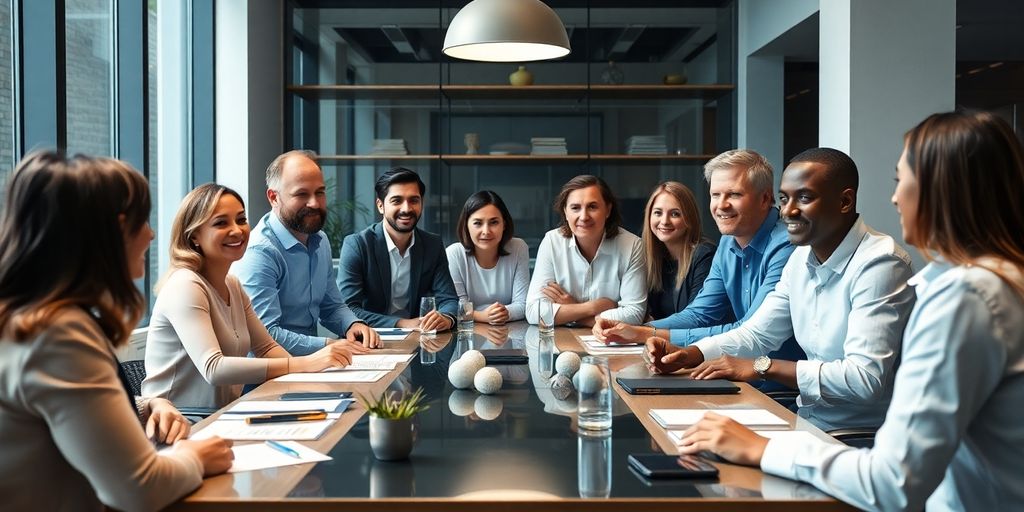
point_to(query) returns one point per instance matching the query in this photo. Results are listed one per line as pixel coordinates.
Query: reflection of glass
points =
(465, 315)
(593, 381)
(594, 463)
(427, 304)
(546, 354)
(463, 342)
(545, 316)
(428, 355)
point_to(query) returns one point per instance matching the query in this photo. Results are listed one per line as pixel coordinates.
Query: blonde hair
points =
(197, 208)
(758, 170)
(655, 250)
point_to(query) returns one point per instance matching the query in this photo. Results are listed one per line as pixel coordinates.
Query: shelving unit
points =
(509, 92)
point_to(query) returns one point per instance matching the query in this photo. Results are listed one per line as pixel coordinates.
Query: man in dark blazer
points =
(389, 266)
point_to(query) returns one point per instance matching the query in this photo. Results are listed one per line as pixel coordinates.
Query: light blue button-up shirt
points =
(848, 314)
(292, 286)
(953, 435)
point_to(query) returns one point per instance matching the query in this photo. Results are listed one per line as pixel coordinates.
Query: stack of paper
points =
(597, 348)
(646, 145)
(393, 333)
(333, 376)
(389, 147)
(242, 431)
(255, 456)
(243, 410)
(682, 419)
(548, 146)
(374, 362)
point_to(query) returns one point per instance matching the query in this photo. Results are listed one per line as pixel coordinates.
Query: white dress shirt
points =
(848, 315)
(506, 283)
(401, 268)
(617, 273)
(954, 434)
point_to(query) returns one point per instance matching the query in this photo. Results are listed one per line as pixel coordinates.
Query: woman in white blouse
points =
(203, 325)
(589, 265)
(953, 438)
(489, 266)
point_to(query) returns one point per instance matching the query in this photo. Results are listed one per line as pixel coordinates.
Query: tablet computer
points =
(505, 356)
(677, 386)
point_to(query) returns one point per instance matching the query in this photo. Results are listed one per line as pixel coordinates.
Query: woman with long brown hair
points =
(952, 437)
(203, 324)
(75, 234)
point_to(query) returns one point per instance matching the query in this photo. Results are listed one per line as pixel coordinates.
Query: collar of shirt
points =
(392, 248)
(286, 237)
(600, 248)
(841, 256)
(929, 273)
(761, 239)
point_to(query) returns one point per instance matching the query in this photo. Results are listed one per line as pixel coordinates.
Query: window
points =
(7, 119)
(151, 154)
(89, 65)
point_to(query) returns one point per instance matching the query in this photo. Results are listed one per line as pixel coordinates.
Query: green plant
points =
(389, 407)
(342, 218)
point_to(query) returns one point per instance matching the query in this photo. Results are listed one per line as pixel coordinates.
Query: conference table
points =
(517, 449)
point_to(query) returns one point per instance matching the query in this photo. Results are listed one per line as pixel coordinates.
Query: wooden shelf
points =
(499, 159)
(508, 92)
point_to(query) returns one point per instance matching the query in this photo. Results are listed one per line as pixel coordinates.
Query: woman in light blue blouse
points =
(488, 265)
(953, 438)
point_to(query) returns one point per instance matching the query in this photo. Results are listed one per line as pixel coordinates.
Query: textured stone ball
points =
(561, 386)
(568, 363)
(461, 402)
(487, 380)
(460, 374)
(588, 379)
(475, 360)
(488, 407)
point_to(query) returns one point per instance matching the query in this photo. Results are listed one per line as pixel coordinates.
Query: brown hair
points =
(655, 250)
(970, 171)
(64, 246)
(197, 208)
(611, 226)
(476, 202)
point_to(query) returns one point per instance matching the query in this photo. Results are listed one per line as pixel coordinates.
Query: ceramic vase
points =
(520, 77)
(391, 439)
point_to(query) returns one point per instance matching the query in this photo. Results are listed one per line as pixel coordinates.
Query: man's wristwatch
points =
(762, 364)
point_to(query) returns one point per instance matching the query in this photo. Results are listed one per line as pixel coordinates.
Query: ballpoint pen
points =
(312, 415)
(283, 449)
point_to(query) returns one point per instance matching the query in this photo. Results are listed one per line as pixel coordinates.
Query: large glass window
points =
(7, 119)
(151, 146)
(89, 48)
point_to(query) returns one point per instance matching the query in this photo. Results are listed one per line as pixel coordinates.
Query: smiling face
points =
(486, 228)
(224, 236)
(736, 205)
(813, 206)
(667, 222)
(906, 198)
(586, 212)
(135, 250)
(402, 207)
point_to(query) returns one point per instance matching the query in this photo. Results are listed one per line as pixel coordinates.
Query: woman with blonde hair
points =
(952, 439)
(75, 235)
(203, 325)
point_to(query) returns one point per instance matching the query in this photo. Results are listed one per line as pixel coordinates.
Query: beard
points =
(305, 220)
(393, 222)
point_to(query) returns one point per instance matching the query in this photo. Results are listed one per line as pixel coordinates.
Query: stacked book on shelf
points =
(646, 145)
(548, 146)
(389, 147)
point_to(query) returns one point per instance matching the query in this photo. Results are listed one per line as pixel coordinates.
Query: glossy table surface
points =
(519, 448)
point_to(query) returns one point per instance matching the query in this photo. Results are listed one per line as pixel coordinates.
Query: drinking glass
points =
(427, 304)
(595, 394)
(465, 315)
(545, 315)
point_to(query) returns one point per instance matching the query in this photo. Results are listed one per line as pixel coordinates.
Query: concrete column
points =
(885, 66)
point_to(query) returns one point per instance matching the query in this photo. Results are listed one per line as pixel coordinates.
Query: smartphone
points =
(656, 465)
(316, 395)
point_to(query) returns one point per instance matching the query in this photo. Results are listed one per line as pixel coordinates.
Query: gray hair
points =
(759, 171)
(274, 169)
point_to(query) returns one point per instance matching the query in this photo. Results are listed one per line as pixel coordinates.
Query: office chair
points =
(136, 372)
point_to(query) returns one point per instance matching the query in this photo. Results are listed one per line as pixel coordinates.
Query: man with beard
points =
(842, 294)
(287, 270)
(386, 268)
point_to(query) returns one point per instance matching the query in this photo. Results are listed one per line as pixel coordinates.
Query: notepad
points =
(393, 333)
(242, 431)
(243, 410)
(250, 457)
(684, 418)
(374, 362)
(595, 347)
(349, 376)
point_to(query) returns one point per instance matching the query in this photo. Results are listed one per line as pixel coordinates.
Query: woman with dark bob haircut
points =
(589, 266)
(489, 266)
(75, 234)
(953, 437)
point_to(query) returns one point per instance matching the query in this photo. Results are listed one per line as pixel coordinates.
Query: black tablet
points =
(505, 356)
(677, 386)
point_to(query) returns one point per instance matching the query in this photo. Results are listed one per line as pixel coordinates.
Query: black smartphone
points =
(316, 395)
(656, 465)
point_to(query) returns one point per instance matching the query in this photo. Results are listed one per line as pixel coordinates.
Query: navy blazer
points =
(364, 276)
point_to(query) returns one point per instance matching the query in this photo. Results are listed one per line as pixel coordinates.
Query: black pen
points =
(311, 415)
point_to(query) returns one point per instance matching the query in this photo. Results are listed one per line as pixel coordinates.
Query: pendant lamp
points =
(506, 31)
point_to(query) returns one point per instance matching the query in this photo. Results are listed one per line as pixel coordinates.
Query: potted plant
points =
(391, 423)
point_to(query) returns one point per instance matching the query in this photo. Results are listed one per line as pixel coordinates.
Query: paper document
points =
(393, 333)
(242, 431)
(595, 347)
(272, 406)
(251, 457)
(792, 438)
(374, 362)
(684, 418)
(349, 376)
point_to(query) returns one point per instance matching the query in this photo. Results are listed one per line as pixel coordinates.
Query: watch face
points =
(761, 364)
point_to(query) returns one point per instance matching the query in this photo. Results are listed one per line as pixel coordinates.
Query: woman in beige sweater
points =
(203, 325)
(74, 236)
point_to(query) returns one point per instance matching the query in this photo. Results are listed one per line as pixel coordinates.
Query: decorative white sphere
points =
(568, 363)
(460, 402)
(475, 360)
(460, 374)
(488, 407)
(588, 379)
(487, 380)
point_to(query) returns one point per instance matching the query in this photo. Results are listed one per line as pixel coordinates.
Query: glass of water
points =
(594, 463)
(595, 394)
(545, 315)
(427, 304)
(465, 315)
